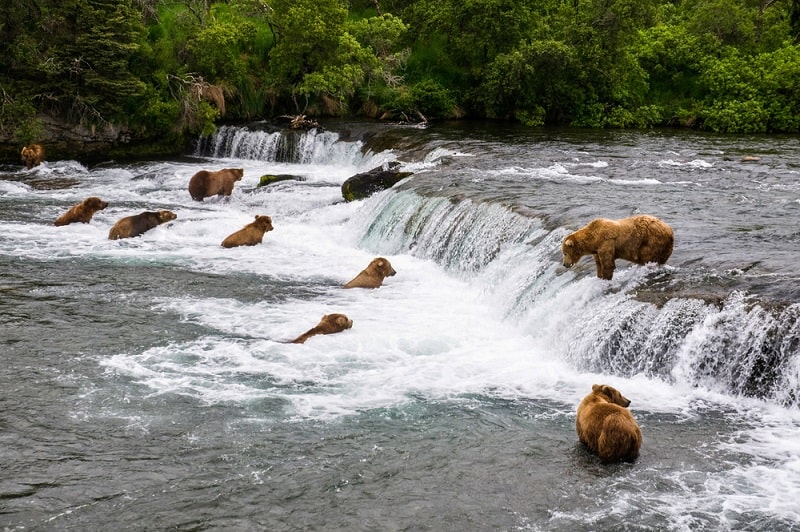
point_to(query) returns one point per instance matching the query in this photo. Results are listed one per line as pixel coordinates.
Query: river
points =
(147, 384)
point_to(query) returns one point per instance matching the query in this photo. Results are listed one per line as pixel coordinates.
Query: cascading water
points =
(285, 146)
(150, 378)
(735, 346)
(732, 344)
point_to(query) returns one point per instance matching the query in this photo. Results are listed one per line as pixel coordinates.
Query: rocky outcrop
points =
(363, 185)
(63, 140)
(269, 179)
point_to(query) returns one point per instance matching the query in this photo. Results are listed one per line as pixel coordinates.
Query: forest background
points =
(160, 72)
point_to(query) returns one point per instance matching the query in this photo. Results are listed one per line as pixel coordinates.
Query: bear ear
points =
(596, 387)
(569, 243)
(256, 217)
(608, 391)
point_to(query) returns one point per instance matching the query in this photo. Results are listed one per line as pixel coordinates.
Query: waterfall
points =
(284, 146)
(737, 346)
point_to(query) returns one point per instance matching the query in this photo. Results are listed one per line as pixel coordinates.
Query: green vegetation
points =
(167, 70)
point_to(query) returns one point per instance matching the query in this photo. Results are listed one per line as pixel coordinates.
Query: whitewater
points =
(148, 384)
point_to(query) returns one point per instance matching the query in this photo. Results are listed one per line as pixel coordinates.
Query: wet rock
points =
(269, 179)
(363, 185)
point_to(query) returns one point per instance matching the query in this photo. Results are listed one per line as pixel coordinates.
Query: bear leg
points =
(604, 258)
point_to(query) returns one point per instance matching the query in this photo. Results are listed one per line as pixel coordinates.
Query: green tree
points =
(533, 83)
(323, 57)
(307, 39)
(73, 57)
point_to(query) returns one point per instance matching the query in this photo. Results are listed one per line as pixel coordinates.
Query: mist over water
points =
(148, 384)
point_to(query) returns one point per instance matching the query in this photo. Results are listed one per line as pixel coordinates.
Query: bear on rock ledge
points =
(638, 239)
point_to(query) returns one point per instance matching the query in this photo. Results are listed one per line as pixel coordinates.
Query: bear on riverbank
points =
(249, 235)
(206, 183)
(329, 324)
(82, 212)
(638, 239)
(137, 224)
(32, 155)
(373, 275)
(606, 427)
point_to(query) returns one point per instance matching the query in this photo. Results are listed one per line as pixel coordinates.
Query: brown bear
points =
(606, 427)
(329, 324)
(82, 212)
(249, 235)
(639, 239)
(139, 223)
(205, 183)
(373, 275)
(32, 155)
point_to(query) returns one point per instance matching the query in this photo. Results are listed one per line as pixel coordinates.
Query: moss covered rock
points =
(269, 179)
(363, 185)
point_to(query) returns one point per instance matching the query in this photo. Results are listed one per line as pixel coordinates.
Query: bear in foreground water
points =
(606, 427)
(82, 212)
(205, 183)
(373, 275)
(329, 324)
(32, 155)
(139, 223)
(638, 239)
(249, 235)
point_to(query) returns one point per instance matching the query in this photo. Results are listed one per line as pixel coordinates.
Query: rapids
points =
(147, 384)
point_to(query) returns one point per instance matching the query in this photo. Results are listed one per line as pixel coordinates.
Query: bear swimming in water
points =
(139, 223)
(373, 275)
(82, 212)
(249, 235)
(606, 427)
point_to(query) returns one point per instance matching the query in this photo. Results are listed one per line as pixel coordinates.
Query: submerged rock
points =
(363, 185)
(269, 179)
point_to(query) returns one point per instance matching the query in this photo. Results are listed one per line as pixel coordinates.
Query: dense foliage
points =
(169, 68)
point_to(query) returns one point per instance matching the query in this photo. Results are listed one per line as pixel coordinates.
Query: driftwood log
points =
(301, 122)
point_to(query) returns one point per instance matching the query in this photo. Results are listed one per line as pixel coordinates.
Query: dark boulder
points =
(269, 179)
(363, 185)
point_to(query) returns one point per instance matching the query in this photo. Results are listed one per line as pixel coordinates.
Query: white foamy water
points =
(480, 307)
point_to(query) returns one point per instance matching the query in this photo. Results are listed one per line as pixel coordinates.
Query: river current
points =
(146, 383)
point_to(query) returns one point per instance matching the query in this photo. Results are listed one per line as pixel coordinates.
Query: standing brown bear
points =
(249, 235)
(373, 275)
(82, 212)
(329, 324)
(205, 183)
(139, 223)
(32, 155)
(639, 239)
(606, 427)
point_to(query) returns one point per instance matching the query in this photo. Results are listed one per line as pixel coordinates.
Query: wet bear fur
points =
(606, 427)
(32, 155)
(205, 183)
(137, 224)
(82, 212)
(249, 235)
(373, 275)
(329, 324)
(638, 239)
